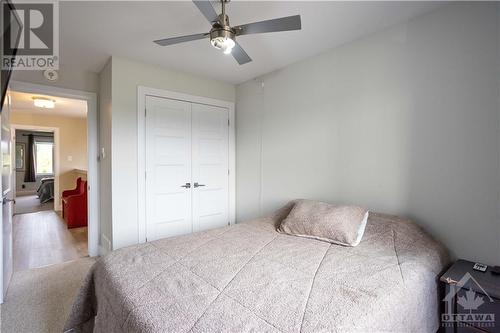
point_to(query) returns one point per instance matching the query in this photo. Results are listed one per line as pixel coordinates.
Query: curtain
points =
(29, 175)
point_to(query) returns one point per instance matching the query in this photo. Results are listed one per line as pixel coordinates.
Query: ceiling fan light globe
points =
(228, 46)
(217, 43)
(225, 44)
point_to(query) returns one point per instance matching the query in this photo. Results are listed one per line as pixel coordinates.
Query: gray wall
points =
(69, 78)
(405, 121)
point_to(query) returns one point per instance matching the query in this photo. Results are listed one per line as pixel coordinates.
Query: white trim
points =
(57, 155)
(105, 246)
(92, 149)
(142, 92)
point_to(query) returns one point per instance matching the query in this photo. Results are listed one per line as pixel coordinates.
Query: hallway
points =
(42, 238)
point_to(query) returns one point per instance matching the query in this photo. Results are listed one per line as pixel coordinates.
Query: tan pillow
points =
(342, 225)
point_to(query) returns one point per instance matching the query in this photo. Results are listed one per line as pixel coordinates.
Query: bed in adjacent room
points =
(248, 277)
(45, 191)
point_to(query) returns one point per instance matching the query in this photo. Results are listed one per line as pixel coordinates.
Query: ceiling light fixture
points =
(222, 36)
(42, 102)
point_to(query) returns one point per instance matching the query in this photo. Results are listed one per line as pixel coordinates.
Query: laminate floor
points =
(42, 238)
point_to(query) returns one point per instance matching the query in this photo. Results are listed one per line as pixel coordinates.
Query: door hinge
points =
(228, 122)
(228, 223)
(228, 172)
(145, 112)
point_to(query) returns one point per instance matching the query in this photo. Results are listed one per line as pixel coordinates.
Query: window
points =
(44, 158)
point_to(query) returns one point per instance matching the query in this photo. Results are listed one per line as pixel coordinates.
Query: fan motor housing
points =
(221, 32)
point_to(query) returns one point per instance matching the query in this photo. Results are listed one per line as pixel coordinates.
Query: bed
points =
(45, 191)
(250, 278)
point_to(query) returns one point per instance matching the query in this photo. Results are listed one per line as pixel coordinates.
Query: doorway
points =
(9, 164)
(34, 168)
(49, 180)
(90, 101)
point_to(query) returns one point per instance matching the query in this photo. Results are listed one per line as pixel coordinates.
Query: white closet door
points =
(168, 168)
(210, 167)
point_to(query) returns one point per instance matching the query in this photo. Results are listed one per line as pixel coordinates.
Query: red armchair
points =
(74, 204)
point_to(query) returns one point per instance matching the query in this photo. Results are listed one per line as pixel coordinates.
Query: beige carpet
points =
(39, 300)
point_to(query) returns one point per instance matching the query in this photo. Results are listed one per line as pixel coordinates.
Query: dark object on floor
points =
(46, 190)
(472, 299)
(75, 205)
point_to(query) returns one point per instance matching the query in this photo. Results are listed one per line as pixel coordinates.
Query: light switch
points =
(70, 158)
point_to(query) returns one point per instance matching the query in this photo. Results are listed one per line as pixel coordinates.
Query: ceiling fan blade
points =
(281, 24)
(180, 39)
(240, 55)
(207, 10)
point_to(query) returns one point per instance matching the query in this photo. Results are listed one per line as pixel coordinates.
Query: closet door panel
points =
(210, 145)
(168, 168)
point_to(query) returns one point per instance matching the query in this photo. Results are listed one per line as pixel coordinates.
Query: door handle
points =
(188, 185)
(5, 200)
(198, 185)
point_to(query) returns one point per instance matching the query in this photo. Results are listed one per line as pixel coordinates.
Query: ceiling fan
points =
(223, 36)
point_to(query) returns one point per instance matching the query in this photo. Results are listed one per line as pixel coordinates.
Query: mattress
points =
(250, 278)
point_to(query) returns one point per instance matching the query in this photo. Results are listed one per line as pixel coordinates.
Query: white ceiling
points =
(65, 107)
(92, 31)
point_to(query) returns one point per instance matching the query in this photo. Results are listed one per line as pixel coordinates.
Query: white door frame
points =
(3, 240)
(92, 150)
(142, 92)
(55, 130)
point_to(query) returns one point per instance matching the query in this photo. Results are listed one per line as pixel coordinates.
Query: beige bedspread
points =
(249, 278)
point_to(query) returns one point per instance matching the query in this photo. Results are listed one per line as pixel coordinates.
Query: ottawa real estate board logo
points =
(30, 35)
(471, 305)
